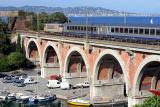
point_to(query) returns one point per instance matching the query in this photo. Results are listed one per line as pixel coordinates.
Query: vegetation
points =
(153, 101)
(9, 60)
(34, 20)
(18, 45)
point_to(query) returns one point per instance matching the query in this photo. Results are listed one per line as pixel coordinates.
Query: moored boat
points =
(79, 102)
(11, 97)
(37, 99)
(3, 95)
(21, 98)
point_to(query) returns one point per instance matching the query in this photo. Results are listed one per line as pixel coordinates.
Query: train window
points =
(141, 31)
(121, 30)
(131, 30)
(89, 28)
(94, 28)
(152, 31)
(147, 31)
(60, 25)
(135, 30)
(117, 30)
(84, 28)
(125, 30)
(158, 32)
(76, 27)
(81, 28)
(73, 27)
(68, 27)
(112, 30)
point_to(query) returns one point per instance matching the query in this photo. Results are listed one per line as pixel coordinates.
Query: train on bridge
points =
(133, 33)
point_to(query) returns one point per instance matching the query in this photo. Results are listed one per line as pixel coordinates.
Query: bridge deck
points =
(121, 44)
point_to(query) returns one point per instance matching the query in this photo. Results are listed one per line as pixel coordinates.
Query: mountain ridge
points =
(69, 11)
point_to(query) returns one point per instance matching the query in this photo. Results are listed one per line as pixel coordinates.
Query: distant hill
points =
(69, 11)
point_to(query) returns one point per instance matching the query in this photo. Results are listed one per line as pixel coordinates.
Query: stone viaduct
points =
(114, 71)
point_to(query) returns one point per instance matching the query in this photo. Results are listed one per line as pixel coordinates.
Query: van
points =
(53, 84)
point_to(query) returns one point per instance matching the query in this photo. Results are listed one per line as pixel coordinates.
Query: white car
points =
(29, 81)
(53, 84)
(65, 85)
(83, 84)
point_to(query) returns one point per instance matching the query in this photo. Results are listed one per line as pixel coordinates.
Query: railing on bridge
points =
(109, 39)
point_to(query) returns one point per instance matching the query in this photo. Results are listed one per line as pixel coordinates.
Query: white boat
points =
(3, 95)
(20, 97)
(11, 97)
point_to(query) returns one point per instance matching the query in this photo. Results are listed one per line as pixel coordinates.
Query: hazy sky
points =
(138, 6)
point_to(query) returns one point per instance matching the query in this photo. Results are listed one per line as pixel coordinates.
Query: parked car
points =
(7, 79)
(30, 81)
(19, 83)
(53, 84)
(3, 75)
(65, 85)
(22, 77)
(83, 84)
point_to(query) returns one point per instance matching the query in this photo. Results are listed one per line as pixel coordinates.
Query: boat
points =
(11, 97)
(40, 100)
(3, 95)
(21, 98)
(156, 92)
(79, 102)
(47, 98)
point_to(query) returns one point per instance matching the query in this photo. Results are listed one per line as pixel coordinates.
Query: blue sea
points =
(118, 20)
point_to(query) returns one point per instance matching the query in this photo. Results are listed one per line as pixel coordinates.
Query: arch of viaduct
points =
(112, 73)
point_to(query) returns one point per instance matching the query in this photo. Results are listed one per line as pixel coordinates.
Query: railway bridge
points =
(117, 71)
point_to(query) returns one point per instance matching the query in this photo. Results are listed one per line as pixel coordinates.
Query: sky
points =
(136, 6)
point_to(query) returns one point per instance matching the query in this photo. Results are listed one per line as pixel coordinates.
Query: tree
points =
(15, 60)
(18, 45)
(42, 18)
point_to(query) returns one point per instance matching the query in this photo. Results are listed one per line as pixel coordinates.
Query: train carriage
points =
(132, 33)
(53, 27)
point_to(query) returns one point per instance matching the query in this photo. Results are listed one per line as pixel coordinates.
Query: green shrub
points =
(153, 101)
(15, 60)
(4, 64)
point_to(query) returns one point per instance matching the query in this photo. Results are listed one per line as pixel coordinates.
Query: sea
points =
(141, 20)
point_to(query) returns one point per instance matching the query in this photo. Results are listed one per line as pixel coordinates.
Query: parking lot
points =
(41, 88)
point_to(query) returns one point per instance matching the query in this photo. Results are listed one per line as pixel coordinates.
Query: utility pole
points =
(87, 36)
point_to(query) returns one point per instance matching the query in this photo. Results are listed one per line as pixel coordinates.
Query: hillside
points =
(69, 11)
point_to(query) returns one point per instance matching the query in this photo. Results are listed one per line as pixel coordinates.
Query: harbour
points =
(86, 55)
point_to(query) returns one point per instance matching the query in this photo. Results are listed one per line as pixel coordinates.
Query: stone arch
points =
(27, 49)
(56, 49)
(82, 53)
(139, 73)
(120, 61)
